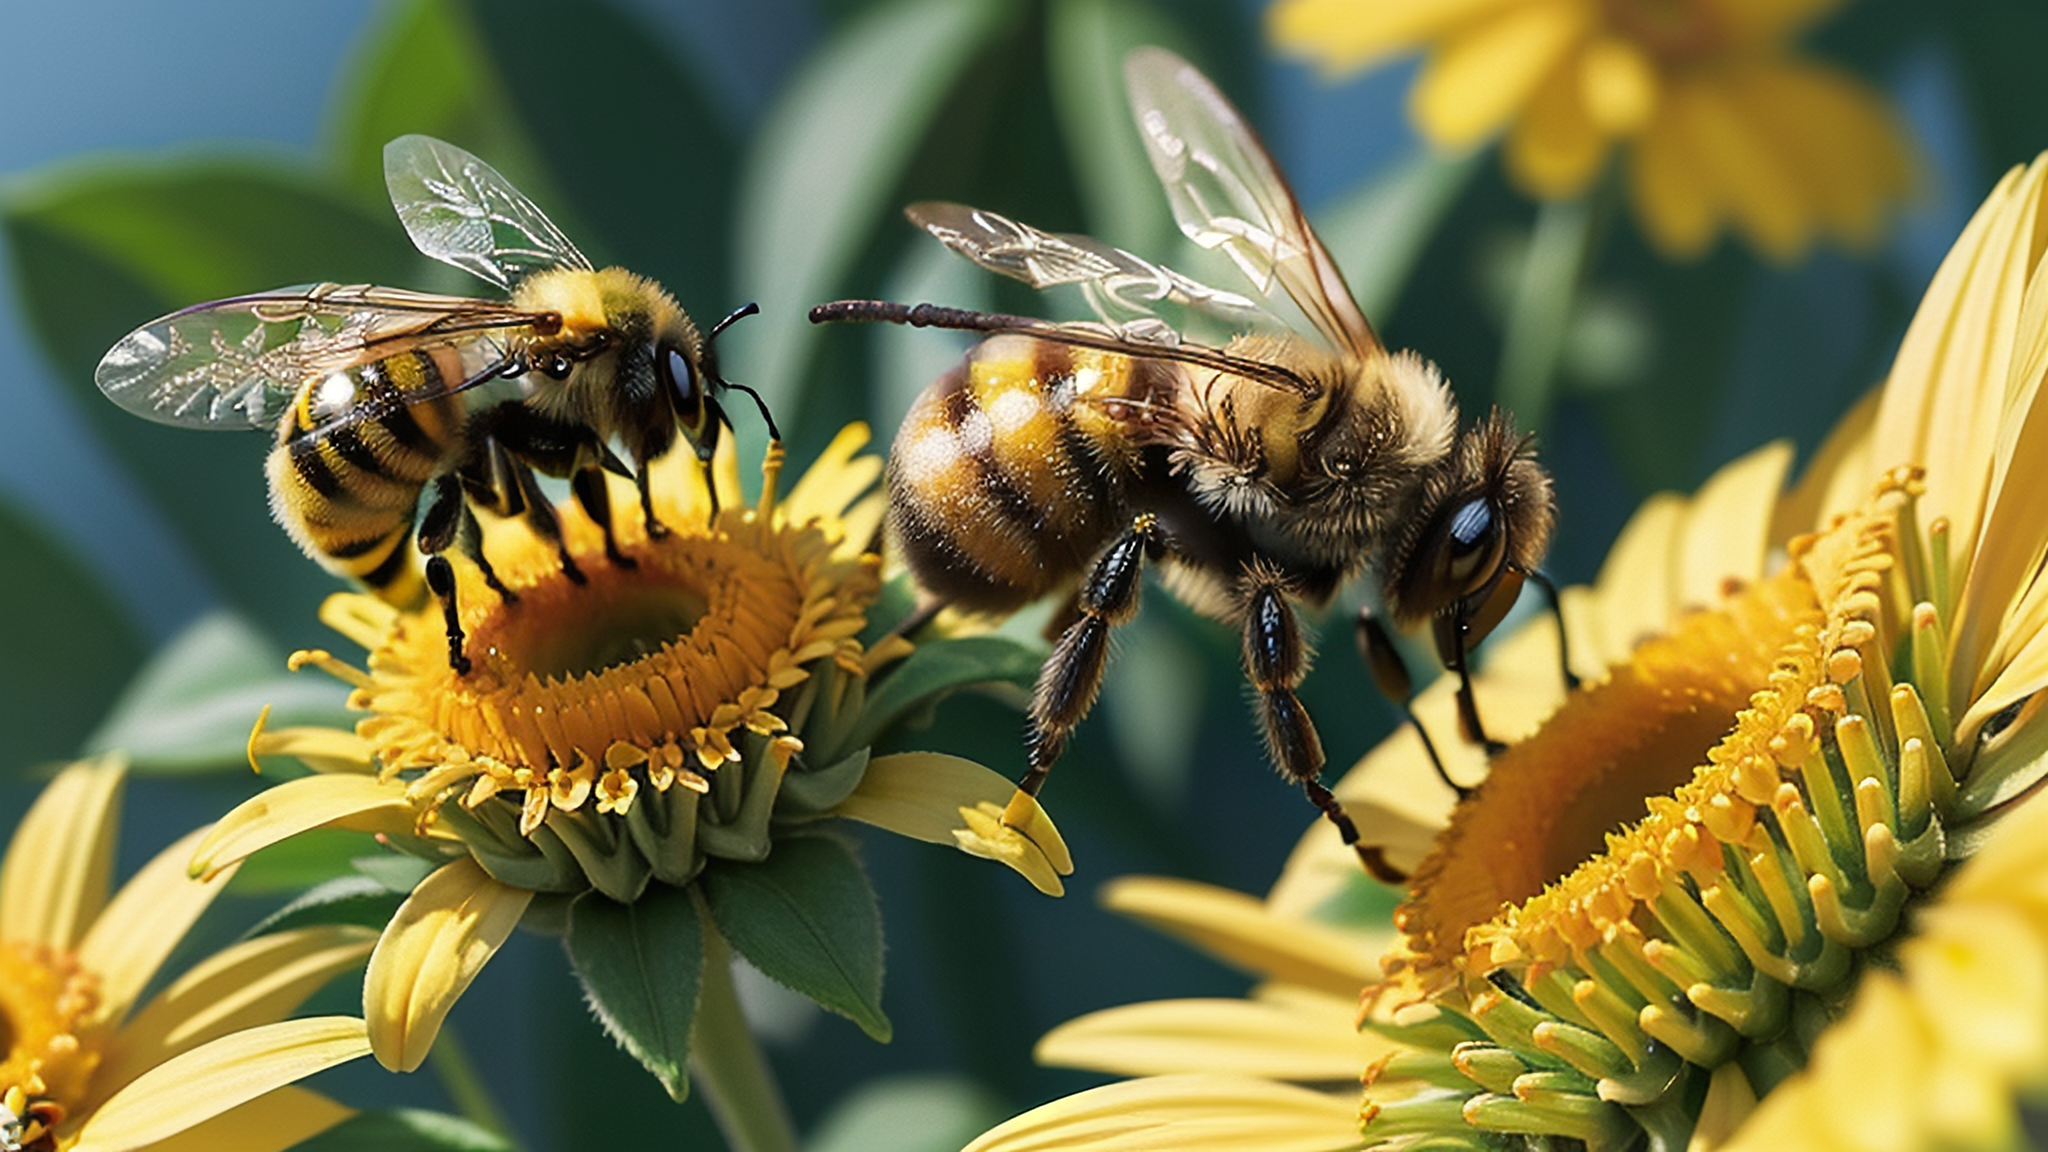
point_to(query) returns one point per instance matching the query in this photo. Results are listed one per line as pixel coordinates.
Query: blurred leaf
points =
(1378, 232)
(1540, 311)
(641, 965)
(1155, 694)
(302, 861)
(423, 70)
(64, 645)
(100, 249)
(192, 706)
(356, 900)
(806, 917)
(822, 167)
(641, 155)
(1087, 42)
(937, 668)
(406, 1130)
(908, 1114)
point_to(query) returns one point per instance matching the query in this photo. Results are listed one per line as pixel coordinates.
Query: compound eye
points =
(1472, 548)
(679, 375)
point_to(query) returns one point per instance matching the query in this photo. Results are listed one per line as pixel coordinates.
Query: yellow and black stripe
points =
(346, 484)
(1007, 476)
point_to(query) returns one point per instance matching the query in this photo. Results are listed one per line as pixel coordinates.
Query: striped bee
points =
(1257, 472)
(378, 395)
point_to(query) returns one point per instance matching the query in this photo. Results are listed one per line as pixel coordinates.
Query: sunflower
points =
(1771, 878)
(210, 1058)
(1725, 123)
(665, 735)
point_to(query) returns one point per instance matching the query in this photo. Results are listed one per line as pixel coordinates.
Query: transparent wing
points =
(458, 210)
(1227, 193)
(240, 363)
(1124, 290)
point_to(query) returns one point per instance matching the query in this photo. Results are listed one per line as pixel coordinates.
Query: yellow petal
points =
(1638, 584)
(1770, 22)
(271, 1122)
(1241, 930)
(1834, 136)
(1981, 970)
(249, 983)
(215, 1077)
(1836, 479)
(1670, 189)
(1727, 527)
(943, 799)
(1193, 1113)
(436, 944)
(341, 800)
(1299, 1040)
(1618, 82)
(1555, 150)
(1343, 35)
(1488, 70)
(1760, 191)
(834, 480)
(321, 749)
(146, 919)
(61, 860)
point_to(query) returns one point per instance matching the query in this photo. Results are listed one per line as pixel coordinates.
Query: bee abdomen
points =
(998, 496)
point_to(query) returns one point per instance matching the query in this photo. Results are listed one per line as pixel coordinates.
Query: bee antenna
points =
(750, 308)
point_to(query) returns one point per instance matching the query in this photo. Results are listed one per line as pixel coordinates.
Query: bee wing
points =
(1121, 287)
(1227, 193)
(240, 363)
(458, 210)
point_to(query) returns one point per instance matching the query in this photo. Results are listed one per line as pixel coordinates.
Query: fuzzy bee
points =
(1255, 473)
(378, 395)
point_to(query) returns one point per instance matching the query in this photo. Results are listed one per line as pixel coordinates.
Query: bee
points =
(1257, 473)
(378, 396)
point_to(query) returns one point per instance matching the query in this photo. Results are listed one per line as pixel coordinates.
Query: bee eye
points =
(680, 376)
(1472, 547)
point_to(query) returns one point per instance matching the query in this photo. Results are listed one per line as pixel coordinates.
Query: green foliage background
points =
(1665, 371)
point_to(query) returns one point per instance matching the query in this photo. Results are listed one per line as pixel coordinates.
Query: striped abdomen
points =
(351, 459)
(1008, 474)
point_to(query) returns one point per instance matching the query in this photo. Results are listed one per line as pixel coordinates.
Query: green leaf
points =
(807, 918)
(823, 167)
(312, 857)
(908, 1114)
(642, 965)
(1378, 232)
(406, 1130)
(64, 644)
(348, 900)
(1086, 42)
(938, 668)
(101, 249)
(192, 706)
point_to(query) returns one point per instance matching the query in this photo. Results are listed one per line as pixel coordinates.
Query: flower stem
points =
(1540, 310)
(728, 1066)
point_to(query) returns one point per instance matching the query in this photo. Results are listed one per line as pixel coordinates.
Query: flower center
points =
(1671, 29)
(49, 1056)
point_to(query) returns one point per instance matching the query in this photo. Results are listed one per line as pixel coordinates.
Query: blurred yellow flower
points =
(622, 729)
(1827, 698)
(209, 1059)
(1726, 123)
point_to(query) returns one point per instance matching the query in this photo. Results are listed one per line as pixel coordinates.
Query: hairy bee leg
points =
(449, 520)
(589, 487)
(1276, 661)
(540, 517)
(441, 580)
(1072, 675)
(656, 530)
(1390, 676)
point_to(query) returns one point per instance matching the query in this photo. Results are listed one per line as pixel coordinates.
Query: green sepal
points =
(936, 669)
(192, 705)
(819, 791)
(357, 900)
(642, 965)
(807, 918)
(537, 863)
(735, 825)
(609, 859)
(663, 826)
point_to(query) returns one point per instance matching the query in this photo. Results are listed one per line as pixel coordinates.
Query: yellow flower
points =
(210, 1058)
(1771, 879)
(1725, 123)
(619, 734)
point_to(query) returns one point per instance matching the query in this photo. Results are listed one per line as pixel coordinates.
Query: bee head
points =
(1482, 524)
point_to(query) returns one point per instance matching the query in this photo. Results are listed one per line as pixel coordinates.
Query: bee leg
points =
(540, 517)
(1564, 650)
(441, 579)
(1453, 647)
(589, 487)
(1390, 675)
(1072, 675)
(450, 520)
(656, 530)
(1275, 661)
